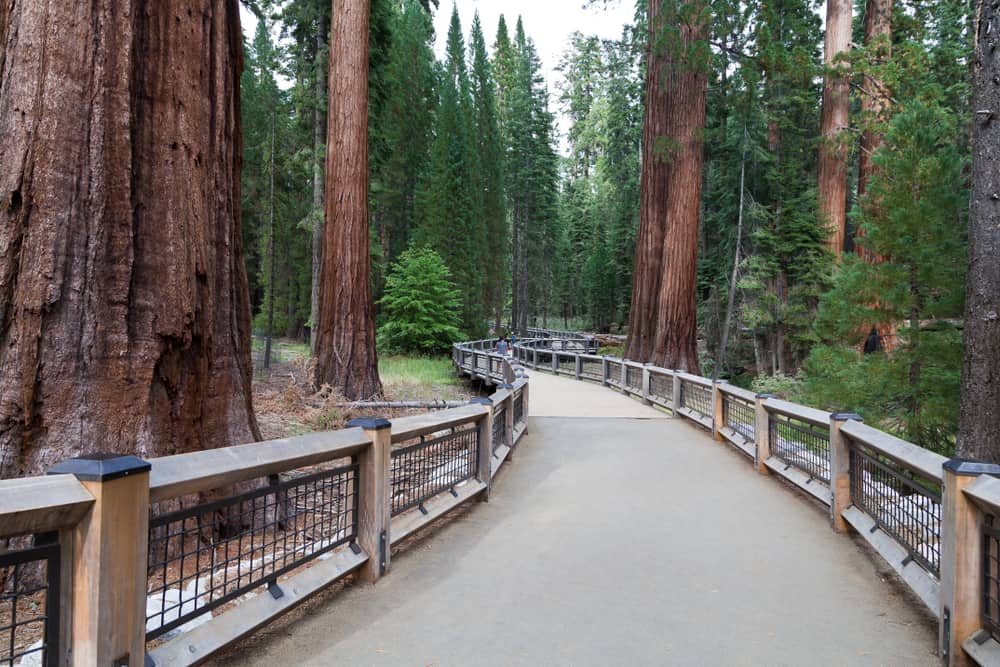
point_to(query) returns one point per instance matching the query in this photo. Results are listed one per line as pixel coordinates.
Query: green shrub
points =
(421, 306)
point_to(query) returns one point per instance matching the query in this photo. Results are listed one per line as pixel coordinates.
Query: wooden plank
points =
(414, 426)
(498, 459)
(519, 431)
(985, 492)
(705, 422)
(374, 507)
(41, 504)
(413, 519)
(182, 474)
(800, 412)
(810, 485)
(200, 643)
(499, 396)
(921, 582)
(738, 440)
(738, 392)
(924, 461)
(694, 379)
(986, 654)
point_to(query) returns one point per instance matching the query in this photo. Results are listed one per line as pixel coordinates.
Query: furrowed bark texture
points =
(979, 415)
(664, 307)
(832, 178)
(345, 344)
(676, 340)
(124, 311)
(874, 107)
(319, 146)
(652, 198)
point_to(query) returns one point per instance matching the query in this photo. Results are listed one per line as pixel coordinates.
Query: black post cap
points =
(847, 417)
(101, 466)
(971, 467)
(370, 423)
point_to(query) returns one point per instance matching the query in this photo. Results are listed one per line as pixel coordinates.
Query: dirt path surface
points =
(612, 541)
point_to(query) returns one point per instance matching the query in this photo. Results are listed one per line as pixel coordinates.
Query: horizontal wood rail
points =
(31, 505)
(928, 529)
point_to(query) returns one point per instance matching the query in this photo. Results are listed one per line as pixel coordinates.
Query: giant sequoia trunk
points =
(124, 311)
(345, 343)
(832, 178)
(663, 321)
(979, 415)
(319, 144)
(652, 198)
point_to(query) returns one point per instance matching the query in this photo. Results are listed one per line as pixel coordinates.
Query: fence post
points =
(374, 510)
(109, 561)
(718, 418)
(579, 365)
(961, 559)
(604, 370)
(646, 396)
(555, 361)
(675, 394)
(840, 470)
(534, 357)
(508, 418)
(485, 452)
(625, 377)
(762, 433)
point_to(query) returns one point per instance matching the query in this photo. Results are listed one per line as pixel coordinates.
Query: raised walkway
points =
(616, 537)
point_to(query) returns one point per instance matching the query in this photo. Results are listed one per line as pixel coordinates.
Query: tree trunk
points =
(676, 336)
(270, 259)
(979, 414)
(874, 107)
(345, 344)
(832, 178)
(124, 308)
(318, 212)
(654, 177)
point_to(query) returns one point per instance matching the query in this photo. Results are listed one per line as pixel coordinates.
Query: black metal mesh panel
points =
(499, 427)
(207, 555)
(740, 415)
(482, 362)
(801, 445)
(991, 576)
(591, 369)
(29, 610)
(518, 408)
(661, 386)
(423, 470)
(697, 397)
(633, 378)
(615, 372)
(903, 503)
(567, 364)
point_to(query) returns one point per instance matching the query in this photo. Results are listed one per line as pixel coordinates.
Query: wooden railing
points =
(165, 562)
(935, 521)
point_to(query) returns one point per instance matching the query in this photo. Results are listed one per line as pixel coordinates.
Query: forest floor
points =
(287, 404)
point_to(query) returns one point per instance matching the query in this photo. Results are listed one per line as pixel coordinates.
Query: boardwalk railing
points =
(112, 560)
(935, 522)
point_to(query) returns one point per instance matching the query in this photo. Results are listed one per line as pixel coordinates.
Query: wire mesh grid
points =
(633, 378)
(614, 372)
(661, 386)
(425, 469)
(205, 556)
(592, 369)
(29, 618)
(696, 397)
(991, 576)
(801, 445)
(903, 503)
(482, 363)
(499, 427)
(567, 364)
(740, 415)
(518, 407)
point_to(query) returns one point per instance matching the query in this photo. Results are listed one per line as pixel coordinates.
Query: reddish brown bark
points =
(832, 178)
(345, 344)
(676, 341)
(874, 107)
(652, 199)
(124, 312)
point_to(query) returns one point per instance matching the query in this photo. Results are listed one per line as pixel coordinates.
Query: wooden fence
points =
(118, 561)
(935, 521)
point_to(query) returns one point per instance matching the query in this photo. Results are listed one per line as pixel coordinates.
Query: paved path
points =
(613, 541)
(553, 396)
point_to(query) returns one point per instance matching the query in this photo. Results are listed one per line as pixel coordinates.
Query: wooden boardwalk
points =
(617, 536)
